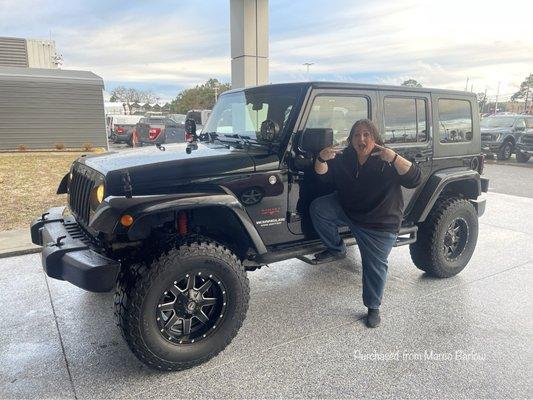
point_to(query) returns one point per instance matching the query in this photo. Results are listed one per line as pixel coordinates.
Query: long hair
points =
(368, 124)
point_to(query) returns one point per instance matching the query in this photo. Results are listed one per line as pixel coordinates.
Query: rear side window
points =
(455, 121)
(405, 120)
(196, 115)
(338, 113)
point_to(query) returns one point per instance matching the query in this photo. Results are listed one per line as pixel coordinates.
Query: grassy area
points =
(28, 183)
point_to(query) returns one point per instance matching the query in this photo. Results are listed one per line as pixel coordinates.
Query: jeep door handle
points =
(420, 158)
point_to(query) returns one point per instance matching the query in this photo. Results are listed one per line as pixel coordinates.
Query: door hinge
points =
(293, 217)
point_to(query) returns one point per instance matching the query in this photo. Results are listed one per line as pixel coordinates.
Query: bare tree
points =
(130, 95)
(411, 83)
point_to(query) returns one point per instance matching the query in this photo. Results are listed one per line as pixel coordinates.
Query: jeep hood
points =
(152, 170)
(495, 130)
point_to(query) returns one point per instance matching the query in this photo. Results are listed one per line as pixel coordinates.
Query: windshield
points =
(179, 118)
(241, 114)
(196, 115)
(497, 122)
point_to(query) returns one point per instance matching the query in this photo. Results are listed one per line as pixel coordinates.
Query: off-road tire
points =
(135, 309)
(521, 157)
(505, 151)
(428, 252)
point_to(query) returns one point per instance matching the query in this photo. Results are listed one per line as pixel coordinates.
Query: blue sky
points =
(166, 46)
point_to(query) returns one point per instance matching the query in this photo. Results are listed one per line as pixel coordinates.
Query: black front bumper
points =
(490, 147)
(525, 148)
(67, 254)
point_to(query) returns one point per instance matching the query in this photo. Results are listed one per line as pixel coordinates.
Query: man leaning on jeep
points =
(368, 199)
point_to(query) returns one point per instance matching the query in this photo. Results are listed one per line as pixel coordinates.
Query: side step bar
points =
(407, 235)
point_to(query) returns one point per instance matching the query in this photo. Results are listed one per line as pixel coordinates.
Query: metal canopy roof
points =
(50, 75)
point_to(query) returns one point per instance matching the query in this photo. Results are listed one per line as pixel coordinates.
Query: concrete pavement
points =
(17, 242)
(463, 337)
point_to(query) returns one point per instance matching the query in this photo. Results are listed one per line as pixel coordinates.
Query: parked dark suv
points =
(173, 232)
(524, 146)
(500, 133)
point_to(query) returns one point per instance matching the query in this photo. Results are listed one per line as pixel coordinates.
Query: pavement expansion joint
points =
(61, 339)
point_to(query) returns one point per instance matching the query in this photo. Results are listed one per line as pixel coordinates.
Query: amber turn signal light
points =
(126, 220)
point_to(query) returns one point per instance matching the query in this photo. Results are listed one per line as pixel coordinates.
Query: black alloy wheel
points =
(447, 238)
(191, 307)
(184, 306)
(455, 239)
(521, 157)
(505, 151)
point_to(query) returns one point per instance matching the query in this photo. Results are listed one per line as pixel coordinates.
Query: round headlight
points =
(100, 193)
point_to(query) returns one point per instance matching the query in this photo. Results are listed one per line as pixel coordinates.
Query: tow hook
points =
(58, 241)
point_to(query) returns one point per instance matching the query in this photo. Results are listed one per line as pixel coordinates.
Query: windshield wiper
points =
(238, 141)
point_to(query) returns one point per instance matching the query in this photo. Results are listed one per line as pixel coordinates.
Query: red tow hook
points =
(182, 223)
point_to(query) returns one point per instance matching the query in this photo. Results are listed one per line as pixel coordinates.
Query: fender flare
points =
(436, 185)
(106, 218)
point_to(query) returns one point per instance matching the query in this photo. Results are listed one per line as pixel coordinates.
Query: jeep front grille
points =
(486, 137)
(80, 188)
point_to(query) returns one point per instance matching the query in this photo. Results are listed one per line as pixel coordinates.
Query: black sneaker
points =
(328, 256)
(373, 319)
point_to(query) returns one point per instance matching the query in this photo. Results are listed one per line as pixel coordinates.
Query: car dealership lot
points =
(468, 336)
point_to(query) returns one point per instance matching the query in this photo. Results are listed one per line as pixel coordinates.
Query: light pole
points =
(497, 95)
(308, 64)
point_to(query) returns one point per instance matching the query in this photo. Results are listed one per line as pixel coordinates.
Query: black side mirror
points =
(190, 128)
(316, 139)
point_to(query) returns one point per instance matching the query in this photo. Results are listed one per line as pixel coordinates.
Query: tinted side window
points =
(338, 113)
(455, 121)
(405, 120)
(197, 116)
(520, 124)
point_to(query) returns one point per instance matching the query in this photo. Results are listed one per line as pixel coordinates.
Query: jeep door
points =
(519, 128)
(337, 109)
(405, 126)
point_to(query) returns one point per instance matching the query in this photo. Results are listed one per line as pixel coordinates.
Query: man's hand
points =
(384, 153)
(401, 164)
(329, 153)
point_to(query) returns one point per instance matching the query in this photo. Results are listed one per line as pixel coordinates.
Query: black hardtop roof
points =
(353, 85)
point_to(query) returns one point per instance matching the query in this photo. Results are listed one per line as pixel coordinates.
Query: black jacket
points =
(370, 194)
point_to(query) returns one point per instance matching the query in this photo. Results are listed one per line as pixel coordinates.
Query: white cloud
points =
(440, 43)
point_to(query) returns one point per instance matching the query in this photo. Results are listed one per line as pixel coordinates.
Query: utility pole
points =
(497, 95)
(527, 96)
(484, 99)
(308, 64)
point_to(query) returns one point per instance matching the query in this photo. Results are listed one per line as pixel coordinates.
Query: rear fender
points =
(455, 180)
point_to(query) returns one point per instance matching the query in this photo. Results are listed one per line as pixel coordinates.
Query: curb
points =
(20, 252)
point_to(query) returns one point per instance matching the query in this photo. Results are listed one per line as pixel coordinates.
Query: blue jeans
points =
(375, 246)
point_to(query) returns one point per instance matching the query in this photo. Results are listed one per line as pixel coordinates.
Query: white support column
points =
(249, 43)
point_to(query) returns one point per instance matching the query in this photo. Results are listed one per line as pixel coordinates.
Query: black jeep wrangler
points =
(174, 229)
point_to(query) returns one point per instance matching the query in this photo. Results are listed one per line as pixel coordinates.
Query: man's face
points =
(363, 142)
